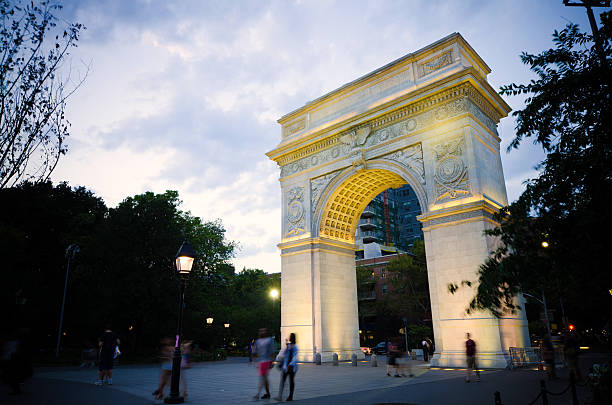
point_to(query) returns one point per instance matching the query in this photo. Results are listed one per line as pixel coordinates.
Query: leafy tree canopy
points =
(569, 113)
(124, 272)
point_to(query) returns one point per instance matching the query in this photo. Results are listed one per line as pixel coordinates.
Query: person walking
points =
(571, 349)
(289, 368)
(390, 357)
(425, 346)
(548, 354)
(185, 363)
(264, 349)
(430, 345)
(107, 344)
(251, 347)
(166, 352)
(470, 353)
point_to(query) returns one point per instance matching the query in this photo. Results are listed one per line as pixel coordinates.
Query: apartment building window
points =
(384, 288)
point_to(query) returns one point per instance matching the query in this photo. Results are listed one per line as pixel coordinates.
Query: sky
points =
(184, 95)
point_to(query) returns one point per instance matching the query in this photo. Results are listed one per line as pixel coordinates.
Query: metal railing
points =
(525, 356)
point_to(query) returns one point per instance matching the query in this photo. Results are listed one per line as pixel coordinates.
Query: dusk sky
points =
(184, 95)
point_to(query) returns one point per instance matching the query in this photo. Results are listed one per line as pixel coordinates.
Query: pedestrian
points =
(548, 354)
(394, 359)
(251, 346)
(16, 361)
(430, 345)
(165, 352)
(425, 347)
(390, 359)
(185, 363)
(571, 349)
(289, 368)
(470, 353)
(88, 355)
(107, 344)
(264, 349)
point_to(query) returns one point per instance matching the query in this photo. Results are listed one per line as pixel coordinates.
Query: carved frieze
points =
(412, 158)
(294, 127)
(353, 142)
(451, 173)
(317, 186)
(296, 223)
(436, 63)
(417, 116)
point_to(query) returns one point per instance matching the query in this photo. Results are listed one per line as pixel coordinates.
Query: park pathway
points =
(235, 382)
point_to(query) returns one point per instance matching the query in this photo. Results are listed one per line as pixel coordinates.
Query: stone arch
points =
(428, 119)
(349, 193)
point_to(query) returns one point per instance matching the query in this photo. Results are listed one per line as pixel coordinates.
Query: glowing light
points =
(209, 321)
(274, 293)
(226, 325)
(545, 244)
(571, 327)
(131, 328)
(585, 347)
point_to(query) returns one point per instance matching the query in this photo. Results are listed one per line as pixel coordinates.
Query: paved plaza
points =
(234, 382)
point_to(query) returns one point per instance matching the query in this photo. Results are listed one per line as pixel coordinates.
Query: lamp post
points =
(226, 325)
(274, 296)
(70, 252)
(543, 302)
(184, 261)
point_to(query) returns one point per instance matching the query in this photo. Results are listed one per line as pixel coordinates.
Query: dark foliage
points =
(569, 113)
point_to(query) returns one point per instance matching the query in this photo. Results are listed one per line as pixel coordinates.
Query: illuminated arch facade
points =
(429, 120)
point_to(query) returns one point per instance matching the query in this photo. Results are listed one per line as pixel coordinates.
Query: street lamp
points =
(209, 321)
(71, 251)
(543, 302)
(226, 325)
(184, 262)
(274, 296)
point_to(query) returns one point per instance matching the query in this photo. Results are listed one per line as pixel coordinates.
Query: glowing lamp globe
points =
(184, 258)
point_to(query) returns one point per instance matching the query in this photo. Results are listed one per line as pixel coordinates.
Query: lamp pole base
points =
(174, 400)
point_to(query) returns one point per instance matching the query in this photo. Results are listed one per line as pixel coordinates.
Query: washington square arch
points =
(429, 120)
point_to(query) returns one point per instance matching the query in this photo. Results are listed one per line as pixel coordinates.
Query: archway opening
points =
(376, 209)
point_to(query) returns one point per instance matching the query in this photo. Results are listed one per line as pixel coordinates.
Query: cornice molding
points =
(463, 90)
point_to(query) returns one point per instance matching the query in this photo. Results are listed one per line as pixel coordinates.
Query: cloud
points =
(185, 94)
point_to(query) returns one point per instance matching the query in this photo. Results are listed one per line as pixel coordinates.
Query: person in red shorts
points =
(264, 349)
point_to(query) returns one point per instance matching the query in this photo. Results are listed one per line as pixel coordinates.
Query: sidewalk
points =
(234, 382)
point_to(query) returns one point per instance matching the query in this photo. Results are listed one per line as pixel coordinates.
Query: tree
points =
(126, 275)
(569, 113)
(37, 223)
(408, 275)
(33, 128)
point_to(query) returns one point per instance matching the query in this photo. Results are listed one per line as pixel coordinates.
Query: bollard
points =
(318, 359)
(497, 398)
(374, 360)
(354, 360)
(335, 359)
(543, 392)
